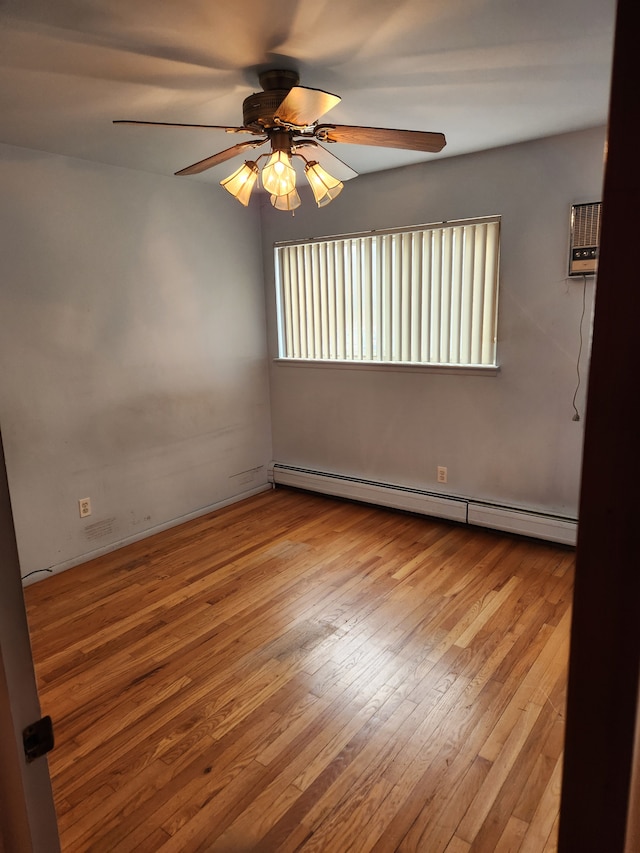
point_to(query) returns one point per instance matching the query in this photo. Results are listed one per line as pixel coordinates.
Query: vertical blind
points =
(421, 296)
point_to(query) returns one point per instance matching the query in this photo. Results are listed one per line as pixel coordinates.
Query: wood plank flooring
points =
(296, 673)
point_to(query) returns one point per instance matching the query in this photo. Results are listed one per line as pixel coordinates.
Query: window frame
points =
(409, 320)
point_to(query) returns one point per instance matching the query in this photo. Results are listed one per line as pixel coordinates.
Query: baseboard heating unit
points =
(554, 528)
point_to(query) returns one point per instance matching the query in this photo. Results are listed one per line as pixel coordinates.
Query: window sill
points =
(385, 366)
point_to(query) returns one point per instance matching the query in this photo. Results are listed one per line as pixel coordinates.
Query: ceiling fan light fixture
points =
(290, 201)
(287, 116)
(324, 186)
(279, 176)
(242, 181)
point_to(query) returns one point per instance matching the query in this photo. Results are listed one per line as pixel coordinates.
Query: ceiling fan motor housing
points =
(258, 109)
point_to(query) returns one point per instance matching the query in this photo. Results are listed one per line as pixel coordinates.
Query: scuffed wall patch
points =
(99, 529)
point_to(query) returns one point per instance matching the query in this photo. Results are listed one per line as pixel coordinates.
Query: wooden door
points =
(27, 813)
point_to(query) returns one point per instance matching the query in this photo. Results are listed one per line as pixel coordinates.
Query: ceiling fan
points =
(286, 115)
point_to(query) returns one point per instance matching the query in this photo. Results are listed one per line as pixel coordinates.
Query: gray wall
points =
(510, 437)
(133, 352)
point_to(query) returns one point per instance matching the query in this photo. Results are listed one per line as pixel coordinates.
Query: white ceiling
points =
(484, 72)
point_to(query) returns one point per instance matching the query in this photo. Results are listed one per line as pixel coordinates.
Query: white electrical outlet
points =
(84, 505)
(442, 474)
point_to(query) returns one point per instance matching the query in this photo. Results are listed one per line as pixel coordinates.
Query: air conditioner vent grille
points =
(587, 225)
(585, 238)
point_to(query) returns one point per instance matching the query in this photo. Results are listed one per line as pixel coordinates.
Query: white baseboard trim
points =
(524, 522)
(533, 523)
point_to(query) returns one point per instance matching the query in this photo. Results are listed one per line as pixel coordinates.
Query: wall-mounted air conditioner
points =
(585, 238)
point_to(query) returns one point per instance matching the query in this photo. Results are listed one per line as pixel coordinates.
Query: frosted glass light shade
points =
(286, 202)
(324, 186)
(242, 182)
(279, 176)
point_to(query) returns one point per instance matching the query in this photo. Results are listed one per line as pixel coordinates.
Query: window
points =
(424, 295)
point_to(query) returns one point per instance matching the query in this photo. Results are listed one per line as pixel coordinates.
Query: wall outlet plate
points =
(84, 506)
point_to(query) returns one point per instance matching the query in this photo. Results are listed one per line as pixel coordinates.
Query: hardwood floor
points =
(300, 673)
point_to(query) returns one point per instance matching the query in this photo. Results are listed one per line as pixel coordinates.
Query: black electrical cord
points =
(35, 572)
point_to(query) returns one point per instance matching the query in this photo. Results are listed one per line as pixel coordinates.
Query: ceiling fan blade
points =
(303, 106)
(177, 124)
(412, 140)
(327, 159)
(220, 157)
